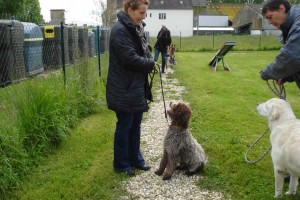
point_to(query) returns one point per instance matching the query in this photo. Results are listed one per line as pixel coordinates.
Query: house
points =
(177, 15)
(227, 9)
(250, 21)
(214, 18)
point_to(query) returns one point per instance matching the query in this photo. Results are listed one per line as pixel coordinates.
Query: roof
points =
(256, 7)
(247, 14)
(170, 5)
(205, 13)
(229, 9)
(199, 3)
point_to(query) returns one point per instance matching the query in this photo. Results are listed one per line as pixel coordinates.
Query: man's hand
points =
(263, 75)
(280, 82)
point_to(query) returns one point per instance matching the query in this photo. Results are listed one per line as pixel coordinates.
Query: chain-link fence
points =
(29, 51)
(213, 40)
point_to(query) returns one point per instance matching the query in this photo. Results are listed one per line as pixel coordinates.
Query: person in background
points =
(164, 40)
(127, 88)
(286, 66)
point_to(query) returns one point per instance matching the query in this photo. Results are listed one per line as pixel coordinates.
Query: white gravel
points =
(147, 185)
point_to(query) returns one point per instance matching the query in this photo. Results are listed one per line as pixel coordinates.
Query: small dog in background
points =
(285, 141)
(181, 150)
(170, 59)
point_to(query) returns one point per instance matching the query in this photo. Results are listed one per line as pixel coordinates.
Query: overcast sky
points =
(77, 11)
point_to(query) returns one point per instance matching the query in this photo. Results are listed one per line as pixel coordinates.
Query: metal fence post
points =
(98, 47)
(213, 40)
(63, 50)
(180, 41)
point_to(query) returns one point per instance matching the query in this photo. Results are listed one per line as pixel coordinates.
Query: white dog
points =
(285, 141)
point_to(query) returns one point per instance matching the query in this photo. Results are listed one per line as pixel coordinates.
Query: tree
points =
(23, 10)
(11, 7)
(32, 11)
(107, 14)
(294, 2)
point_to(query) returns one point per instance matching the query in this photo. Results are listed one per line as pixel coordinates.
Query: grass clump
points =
(43, 117)
(13, 160)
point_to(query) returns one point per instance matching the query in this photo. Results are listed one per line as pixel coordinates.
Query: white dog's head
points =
(276, 110)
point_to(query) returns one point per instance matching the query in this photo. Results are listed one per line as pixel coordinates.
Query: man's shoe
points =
(128, 172)
(144, 167)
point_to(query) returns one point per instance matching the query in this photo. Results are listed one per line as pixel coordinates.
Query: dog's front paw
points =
(158, 172)
(166, 177)
(189, 173)
(290, 193)
(277, 194)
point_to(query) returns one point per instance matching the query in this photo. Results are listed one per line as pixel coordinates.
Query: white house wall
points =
(179, 22)
(213, 21)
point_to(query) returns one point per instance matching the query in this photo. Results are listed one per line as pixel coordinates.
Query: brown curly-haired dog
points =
(180, 148)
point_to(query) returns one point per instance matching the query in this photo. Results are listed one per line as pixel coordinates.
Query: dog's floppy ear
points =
(274, 112)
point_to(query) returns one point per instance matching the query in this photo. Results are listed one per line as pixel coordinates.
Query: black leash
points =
(280, 92)
(162, 91)
(277, 90)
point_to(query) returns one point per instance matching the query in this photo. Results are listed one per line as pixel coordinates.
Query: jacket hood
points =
(293, 14)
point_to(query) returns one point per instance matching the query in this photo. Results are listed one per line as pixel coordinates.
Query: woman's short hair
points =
(134, 4)
(272, 5)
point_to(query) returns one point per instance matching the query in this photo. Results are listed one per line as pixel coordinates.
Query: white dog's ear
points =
(274, 112)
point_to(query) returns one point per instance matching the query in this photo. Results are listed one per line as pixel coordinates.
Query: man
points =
(286, 66)
(161, 46)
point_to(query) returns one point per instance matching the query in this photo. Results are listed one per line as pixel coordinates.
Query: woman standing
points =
(127, 88)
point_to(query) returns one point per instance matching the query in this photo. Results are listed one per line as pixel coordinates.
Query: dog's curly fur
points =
(181, 150)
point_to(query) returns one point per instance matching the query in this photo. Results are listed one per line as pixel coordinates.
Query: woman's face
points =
(276, 17)
(138, 15)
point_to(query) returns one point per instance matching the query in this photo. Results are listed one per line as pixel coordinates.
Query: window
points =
(162, 16)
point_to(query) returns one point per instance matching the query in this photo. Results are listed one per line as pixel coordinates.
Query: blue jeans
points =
(163, 58)
(127, 151)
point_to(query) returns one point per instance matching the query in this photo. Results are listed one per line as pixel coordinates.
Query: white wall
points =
(212, 20)
(256, 32)
(179, 22)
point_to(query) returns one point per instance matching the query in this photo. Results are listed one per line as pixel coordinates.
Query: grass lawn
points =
(81, 168)
(224, 121)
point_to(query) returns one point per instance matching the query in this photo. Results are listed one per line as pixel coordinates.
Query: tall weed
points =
(13, 160)
(42, 114)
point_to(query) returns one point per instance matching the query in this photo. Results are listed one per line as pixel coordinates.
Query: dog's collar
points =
(176, 127)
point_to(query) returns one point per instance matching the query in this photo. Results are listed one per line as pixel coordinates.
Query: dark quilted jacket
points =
(163, 40)
(128, 68)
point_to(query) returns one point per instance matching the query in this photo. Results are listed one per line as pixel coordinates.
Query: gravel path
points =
(147, 185)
